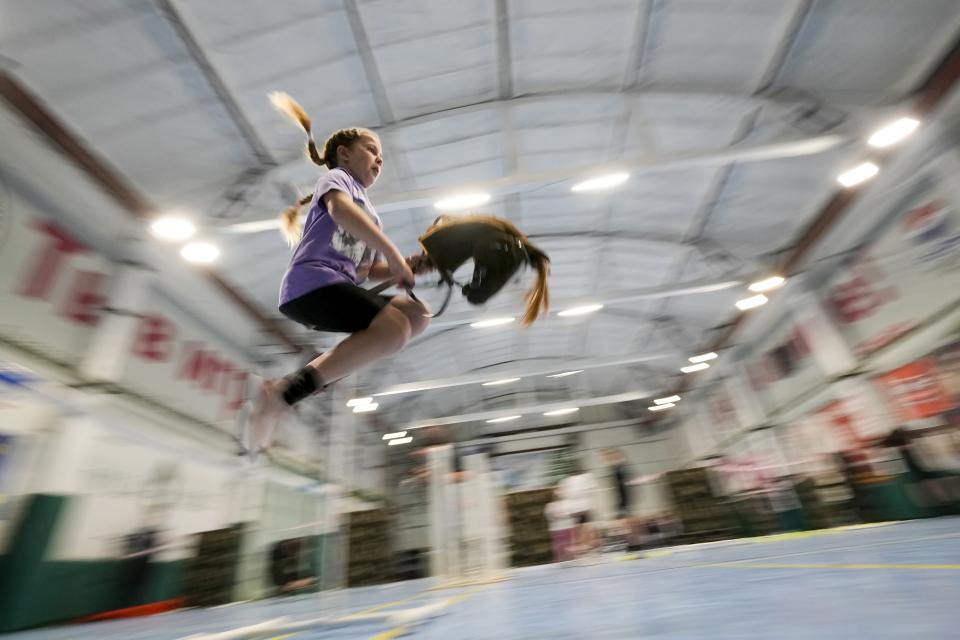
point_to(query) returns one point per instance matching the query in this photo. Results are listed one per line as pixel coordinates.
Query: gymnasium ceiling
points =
(732, 118)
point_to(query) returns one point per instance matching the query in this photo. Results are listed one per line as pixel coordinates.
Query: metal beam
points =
(928, 97)
(115, 186)
(219, 87)
(539, 408)
(606, 297)
(701, 219)
(792, 30)
(370, 69)
(521, 181)
(480, 378)
(619, 133)
(784, 104)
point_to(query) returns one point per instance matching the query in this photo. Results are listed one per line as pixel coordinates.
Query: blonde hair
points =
(290, 225)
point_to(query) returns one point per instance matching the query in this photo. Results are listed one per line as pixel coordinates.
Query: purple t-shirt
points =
(328, 254)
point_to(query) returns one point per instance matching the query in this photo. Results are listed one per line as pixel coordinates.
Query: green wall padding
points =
(36, 591)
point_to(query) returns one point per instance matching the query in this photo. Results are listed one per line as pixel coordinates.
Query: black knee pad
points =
(300, 385)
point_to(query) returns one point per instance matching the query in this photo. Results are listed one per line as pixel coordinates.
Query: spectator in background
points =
(579, 491)
(561, 526)
(286, 566)
(619, 481)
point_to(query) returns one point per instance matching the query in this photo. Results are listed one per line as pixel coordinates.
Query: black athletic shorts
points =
(339, 308)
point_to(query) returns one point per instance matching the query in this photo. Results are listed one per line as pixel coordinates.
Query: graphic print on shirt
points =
(353, 248)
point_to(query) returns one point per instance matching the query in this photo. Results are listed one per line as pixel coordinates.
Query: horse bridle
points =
(445, 278)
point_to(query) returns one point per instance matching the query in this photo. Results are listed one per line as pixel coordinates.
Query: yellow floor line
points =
(813, 533)
(398, 631)
(391, 634)
(371, 610)
(386, 605)
(781, 565)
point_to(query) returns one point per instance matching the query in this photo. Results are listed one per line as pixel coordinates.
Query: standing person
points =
(340, 245)
(561, 527)
(578, 491)
(619, 480)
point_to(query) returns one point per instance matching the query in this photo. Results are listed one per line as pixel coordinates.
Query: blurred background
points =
(752, 211)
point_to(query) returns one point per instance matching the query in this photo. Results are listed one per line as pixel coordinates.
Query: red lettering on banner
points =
(212, 367)
(862, 294)
(42, 272)
(85, 298)
(235, 392)
(154, 340)
(191, 363)
(212, 373)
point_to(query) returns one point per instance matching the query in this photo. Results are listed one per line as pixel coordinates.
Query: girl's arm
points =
(380, 270)
(356, 221)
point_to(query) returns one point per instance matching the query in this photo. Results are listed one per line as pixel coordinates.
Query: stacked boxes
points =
(826, 504)
(529, 534)
(210, 578)
(703, 516)
(368, 548)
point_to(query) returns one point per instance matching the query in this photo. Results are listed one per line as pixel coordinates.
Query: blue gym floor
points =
(889, 581)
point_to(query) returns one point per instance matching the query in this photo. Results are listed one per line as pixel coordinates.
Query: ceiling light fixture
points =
(561, 412)
(601, 182)
(492, 322)
(767, 284)
(565, 374)
(859, 174)
(172, 228)
(462, 201)
(494, 383)
(661, 407)
(893, 133)
(200, 252)
(579, 311)
(752, 302)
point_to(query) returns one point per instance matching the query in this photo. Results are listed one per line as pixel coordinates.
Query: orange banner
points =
(916, 391)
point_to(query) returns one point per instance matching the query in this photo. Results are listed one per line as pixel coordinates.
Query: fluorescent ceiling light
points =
(602, 182)
(561, 412)
(503, 419)
(494, 383)
(860, 173)
(893, 133)
(667, 400)
(397, 441)
(695, 367)
(661, 407)
(173, 228)
(394, 435)
(579, 311)
(200, 252)
(565, 374)
(492, 322)
(752, 302)
(463, 201)
(767, 284)
(356, 402)
(366, 408)
(703, 357)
